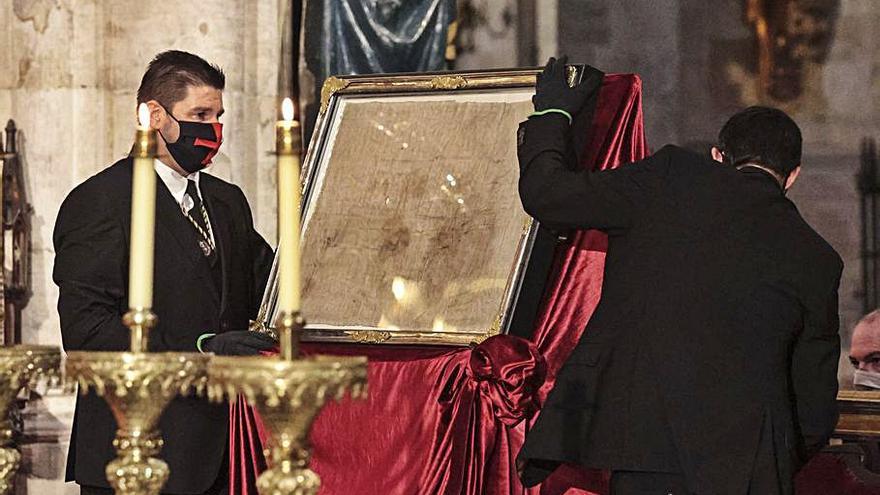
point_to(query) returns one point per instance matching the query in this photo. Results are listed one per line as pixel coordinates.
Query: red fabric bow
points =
(508, 371)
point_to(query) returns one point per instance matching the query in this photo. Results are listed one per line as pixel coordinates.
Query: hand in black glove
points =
(239, 343)
(552, 89)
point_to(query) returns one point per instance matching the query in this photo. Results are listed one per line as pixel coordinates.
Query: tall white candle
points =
(289, 197)
(143, 217)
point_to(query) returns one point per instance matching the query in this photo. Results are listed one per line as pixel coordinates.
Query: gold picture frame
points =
(859, 414)
(443, 145)
(859, 407)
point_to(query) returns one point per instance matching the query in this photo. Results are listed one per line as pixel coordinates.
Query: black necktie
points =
(198, 217)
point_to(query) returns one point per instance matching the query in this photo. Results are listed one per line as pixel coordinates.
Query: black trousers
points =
(647, 483)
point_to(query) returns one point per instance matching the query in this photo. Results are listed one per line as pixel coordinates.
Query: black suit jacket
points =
(91, 269)
(714, 348)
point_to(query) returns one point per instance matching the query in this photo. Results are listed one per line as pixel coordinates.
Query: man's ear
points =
(717, 155)
(158, 115)
(792, 177)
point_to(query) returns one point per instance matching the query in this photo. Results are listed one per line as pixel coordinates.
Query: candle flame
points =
(287, 109)
(143, 115)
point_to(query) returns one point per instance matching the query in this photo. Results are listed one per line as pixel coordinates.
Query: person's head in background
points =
(184, 94)
(763, 138)
(864, 352)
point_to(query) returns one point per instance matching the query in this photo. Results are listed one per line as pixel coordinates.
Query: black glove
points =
(239, 343)
(552, 89)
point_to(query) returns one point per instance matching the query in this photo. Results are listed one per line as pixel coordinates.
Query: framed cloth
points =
(413, 231)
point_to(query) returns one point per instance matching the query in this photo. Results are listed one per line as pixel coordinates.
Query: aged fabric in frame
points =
(413, 231)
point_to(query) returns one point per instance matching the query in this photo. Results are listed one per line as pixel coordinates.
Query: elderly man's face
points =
(864, 351)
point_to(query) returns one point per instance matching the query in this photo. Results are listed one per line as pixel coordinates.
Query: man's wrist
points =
(201, 340)
(552, 110)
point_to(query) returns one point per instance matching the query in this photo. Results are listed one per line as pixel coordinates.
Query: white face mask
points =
(866, 379)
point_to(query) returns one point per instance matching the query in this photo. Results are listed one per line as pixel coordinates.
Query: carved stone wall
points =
(69, 70)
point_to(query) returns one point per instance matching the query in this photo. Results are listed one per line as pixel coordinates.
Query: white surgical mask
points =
(866, 379)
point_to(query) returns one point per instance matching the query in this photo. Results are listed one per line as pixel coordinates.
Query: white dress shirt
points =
(176, 185)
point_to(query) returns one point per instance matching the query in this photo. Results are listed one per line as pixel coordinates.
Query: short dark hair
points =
(762, 135)
(170, 73)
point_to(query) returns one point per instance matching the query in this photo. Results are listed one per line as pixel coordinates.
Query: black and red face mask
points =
(196, 145)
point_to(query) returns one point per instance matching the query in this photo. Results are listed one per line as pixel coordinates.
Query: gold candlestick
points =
(138, 385)
(288, 392)
(21, 366)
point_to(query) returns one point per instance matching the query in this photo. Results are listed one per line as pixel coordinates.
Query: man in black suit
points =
(210, 270)
(710, 363)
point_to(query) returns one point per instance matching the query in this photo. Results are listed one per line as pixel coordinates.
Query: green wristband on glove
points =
(203, 337)
(552, 110)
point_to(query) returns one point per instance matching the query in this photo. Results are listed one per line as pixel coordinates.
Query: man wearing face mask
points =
(864, 352)
(210, 270)
(710, 363)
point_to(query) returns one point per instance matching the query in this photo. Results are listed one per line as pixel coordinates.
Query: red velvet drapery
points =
(451, 421)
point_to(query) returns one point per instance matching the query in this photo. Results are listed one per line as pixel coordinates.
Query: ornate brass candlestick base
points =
(137, 386)
(21, 366)
(288, 393)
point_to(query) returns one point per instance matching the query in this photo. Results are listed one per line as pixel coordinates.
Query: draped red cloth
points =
(828, 473)
(451, 420)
